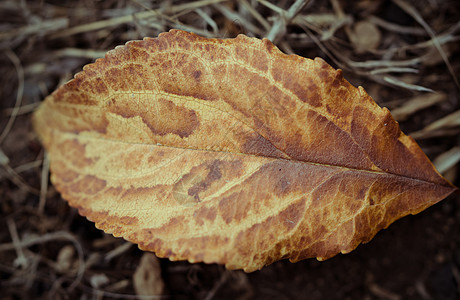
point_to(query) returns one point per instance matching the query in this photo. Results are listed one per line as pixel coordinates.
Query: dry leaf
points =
(230, 151)
(65, 259)
(365, 36)
(147, 278)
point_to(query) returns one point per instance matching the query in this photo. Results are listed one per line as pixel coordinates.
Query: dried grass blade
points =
(414, 87)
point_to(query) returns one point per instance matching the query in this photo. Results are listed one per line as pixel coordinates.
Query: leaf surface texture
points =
(230, 151)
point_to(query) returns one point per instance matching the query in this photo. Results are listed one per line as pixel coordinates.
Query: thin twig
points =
(208, 20)
(322, 47)
(231, 15)
(447, 160)
(279, 27)
(218, 285)
(117, 251)
(20, 71)
(412, 12)
(44, 183)
(13, 176)
(21, 259)
(255, 14)
(59, 235)
(400, 83)
(129, 18)
(396, 27)
(45, 26)
(394, 70)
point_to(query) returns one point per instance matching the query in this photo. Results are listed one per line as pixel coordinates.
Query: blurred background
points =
(405, 53)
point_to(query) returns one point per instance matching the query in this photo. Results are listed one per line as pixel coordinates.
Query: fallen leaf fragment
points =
(365, 36)
(147, 278)
(65, 259)
(229, 151)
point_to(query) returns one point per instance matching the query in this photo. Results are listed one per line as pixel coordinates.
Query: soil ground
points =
(398, 50)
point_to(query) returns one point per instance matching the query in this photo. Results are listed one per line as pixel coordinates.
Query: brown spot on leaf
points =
(292, 215)
(234, 207)
(88, 185)
(76, 153)
(205, 213)
(203, 180)
(116, 79)
(312, 148)
(194, 77)
(60, 170)
(138, 52)
(258, 145)
(197, 75)
(213, 173)
(299, 84)
(180, 120)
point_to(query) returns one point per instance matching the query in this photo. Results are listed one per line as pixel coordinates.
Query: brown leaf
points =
(230, 151)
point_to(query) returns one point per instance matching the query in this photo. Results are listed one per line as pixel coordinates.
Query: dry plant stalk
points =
(230, 151)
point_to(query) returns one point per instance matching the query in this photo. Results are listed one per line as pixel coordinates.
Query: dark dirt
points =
(418, 257)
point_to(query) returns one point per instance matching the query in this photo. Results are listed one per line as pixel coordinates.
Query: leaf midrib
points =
(350, 169)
